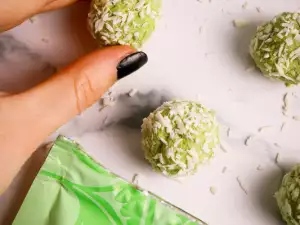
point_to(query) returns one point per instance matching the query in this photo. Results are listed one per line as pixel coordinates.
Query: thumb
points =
(75, 88)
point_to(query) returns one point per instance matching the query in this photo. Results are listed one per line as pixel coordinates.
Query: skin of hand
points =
(28, 118)
(15, 12)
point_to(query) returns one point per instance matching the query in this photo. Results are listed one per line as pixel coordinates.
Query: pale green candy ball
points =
(275, 48)
(178, 136)
(288, 198)
(123, 22)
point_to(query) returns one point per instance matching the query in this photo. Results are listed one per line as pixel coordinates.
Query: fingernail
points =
(131, 63)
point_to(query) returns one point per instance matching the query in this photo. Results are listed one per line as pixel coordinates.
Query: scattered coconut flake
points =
(282, 126)
(224, 169)
(163, 141)
(284, 112)
(104, 121)
(285, 102)
(241, 185)
(224, 147)
(261, 129)
(248, 140)
(250, 69)
(200, 29)
(213, 190)
(258, 9)
(109, 101)
(277, 145)
(245, 5)
(240, 23)
(259, 168)
(231, 133)
(297, 118)
(179, 180)
(132, 92)
(277, 158)
(135, 178)
(294, 94)
(32, 19)
(228, 132)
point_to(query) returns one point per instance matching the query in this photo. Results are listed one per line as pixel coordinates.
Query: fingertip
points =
(109, 56)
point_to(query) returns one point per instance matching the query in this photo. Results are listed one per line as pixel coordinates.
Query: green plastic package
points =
(72, 189)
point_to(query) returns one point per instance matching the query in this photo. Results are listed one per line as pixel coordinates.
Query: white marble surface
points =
(197, 54)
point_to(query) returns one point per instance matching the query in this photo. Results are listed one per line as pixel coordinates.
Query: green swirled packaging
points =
(72, 189)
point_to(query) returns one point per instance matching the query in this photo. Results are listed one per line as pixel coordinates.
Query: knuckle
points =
(83, 90)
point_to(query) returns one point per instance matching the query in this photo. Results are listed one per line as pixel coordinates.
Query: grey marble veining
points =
(20, 68)
(128, 112)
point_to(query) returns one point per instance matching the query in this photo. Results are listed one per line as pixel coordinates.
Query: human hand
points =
(28, 118)
(15, 12)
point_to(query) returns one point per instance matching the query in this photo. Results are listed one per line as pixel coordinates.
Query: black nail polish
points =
(131, 63)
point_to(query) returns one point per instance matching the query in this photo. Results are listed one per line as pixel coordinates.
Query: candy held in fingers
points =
(178, 136)
(123, 22)
(275, 48)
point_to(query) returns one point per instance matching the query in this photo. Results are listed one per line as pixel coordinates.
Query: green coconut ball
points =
(275, 48)
(123, 22)
(288, 198)
(178, 136)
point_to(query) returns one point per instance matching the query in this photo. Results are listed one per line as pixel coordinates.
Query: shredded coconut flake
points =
(276, 158)
(224, 146)
(258, 9)
(248, 140)
(32, 19)
(135, 179)
(277, 145)
(163, 141)
(282, 126)
(245, 5)
(285, 102)
(132, 92)
(224, 169)
(228, 132)
(261, 129)
(297, 38)
(109, 27)
(297, 118)
(200, 29)
(250, 69)
(99, 25)
(259, 168)
(241, 185)
(140, 4)
(240, 23)
(213, 190)
(109, 101)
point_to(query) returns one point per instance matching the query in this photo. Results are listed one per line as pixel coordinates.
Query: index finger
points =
(69, 92)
